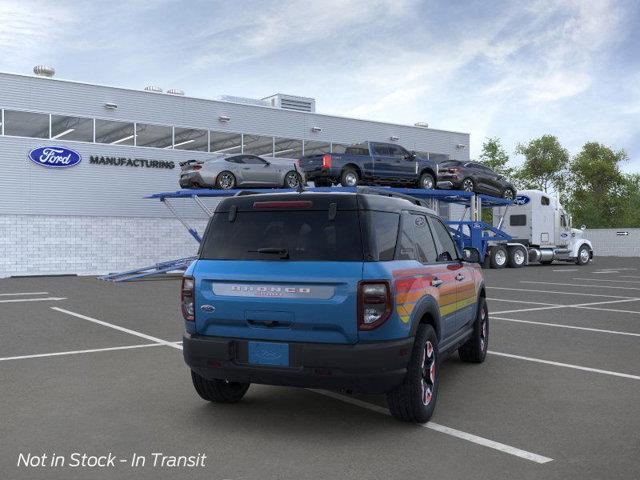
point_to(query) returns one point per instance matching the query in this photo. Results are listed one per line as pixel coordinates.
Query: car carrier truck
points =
(540, 231)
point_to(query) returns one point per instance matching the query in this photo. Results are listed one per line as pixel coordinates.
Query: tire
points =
(517, 257)
(509, 194)
(427, 182)
(474, 350)
(218, 391)
(225, 180)
(349, 177)
(498, 257)
(292, 179)
(468, 185)
(415, 399)
(584, 255)
(322, 182)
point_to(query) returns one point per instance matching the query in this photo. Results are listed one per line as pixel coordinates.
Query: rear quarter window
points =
(381, 231)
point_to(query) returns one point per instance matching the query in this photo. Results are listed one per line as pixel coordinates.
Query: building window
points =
(72, 128)
(287, 148)
(258, 145)
(316, 148)
(338, 147)
(158, 136)
(190, 139)
(114, 133)
(26, 124)
(225, 142)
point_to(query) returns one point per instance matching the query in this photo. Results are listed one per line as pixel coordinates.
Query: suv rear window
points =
(303, 234)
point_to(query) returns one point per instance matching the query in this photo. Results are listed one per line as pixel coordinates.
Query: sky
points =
(514, 70)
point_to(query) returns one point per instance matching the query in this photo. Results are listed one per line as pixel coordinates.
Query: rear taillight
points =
(299, 162)
(326, 161)
(186, 299)
(454, 170)
(196, 167)
(374, 304)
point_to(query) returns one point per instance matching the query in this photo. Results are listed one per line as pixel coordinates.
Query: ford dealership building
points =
(77, 160)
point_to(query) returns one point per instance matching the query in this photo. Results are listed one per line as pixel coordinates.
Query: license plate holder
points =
(269, 353)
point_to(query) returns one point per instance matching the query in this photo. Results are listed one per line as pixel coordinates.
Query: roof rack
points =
(391, 193)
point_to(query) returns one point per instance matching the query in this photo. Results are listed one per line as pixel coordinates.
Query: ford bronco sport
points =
(360, 292)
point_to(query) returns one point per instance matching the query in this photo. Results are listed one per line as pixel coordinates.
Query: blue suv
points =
(361, 292)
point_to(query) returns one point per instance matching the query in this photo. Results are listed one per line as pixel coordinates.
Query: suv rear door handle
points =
(459, 277)
(436, 282)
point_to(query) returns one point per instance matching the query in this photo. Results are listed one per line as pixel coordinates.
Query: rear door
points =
(280, 274)
(416, 242)
(465, 298)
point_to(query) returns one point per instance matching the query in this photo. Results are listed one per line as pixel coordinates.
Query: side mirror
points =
(267, 163)
(471, 255)
(583, 227)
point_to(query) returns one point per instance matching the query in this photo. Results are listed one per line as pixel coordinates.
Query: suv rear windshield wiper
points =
(283, 252)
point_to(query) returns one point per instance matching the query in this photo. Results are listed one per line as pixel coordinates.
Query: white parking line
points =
(573, 327)
(604, 280)
(76, 352)
(23, 293)
(566, 365)
(485, 442)
(560, 293)
(566, 270)
(579, 285)
(45, 299)
(577, 305)
(119, 328)
(492, 299)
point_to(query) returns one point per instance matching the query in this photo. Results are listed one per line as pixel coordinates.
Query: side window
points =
(416, 241)
(396, 151)
(381, 149)
(544, 200)
(253, 160)
(425, 246)
(446, 247)
(517, 220)
(563, 221)
(383, 234)
(235, 160)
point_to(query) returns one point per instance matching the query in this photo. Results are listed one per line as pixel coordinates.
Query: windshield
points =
(284, 235)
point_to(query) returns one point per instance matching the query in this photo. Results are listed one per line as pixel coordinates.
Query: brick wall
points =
(49, 245)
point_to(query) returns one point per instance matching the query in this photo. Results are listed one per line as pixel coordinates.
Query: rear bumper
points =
(375, 367)
(320, 173)
(190, 180)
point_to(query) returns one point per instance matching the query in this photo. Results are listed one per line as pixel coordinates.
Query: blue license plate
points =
(267, 353)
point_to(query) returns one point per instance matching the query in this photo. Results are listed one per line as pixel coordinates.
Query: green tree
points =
(545, 164)
(495, 157)
(599, 191)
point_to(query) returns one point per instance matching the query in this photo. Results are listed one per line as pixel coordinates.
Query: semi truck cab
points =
(541, 228)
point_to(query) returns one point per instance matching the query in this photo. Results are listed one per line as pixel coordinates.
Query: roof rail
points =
(389, 193)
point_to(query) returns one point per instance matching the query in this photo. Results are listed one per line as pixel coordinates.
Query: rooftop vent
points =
(153, 88)
(175, 91)
(44, 71)
(422, 124)
(292, 102)
(244, 100)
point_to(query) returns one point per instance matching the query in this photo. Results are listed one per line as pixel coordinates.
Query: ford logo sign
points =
(55, 157)
(521, 200)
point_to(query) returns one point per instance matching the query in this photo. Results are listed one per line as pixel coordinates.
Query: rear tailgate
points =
(278, 300)
(315, 163)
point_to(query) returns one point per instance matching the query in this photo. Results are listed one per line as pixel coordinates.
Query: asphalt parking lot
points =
(95, 367)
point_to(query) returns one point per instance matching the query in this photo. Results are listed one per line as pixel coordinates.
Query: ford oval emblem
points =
(207, 308)
(55, 157)
(521, 200)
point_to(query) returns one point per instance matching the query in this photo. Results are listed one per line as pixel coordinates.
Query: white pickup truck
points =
(540, 231)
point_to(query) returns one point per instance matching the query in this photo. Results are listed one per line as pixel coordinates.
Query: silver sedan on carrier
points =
(240, 170)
